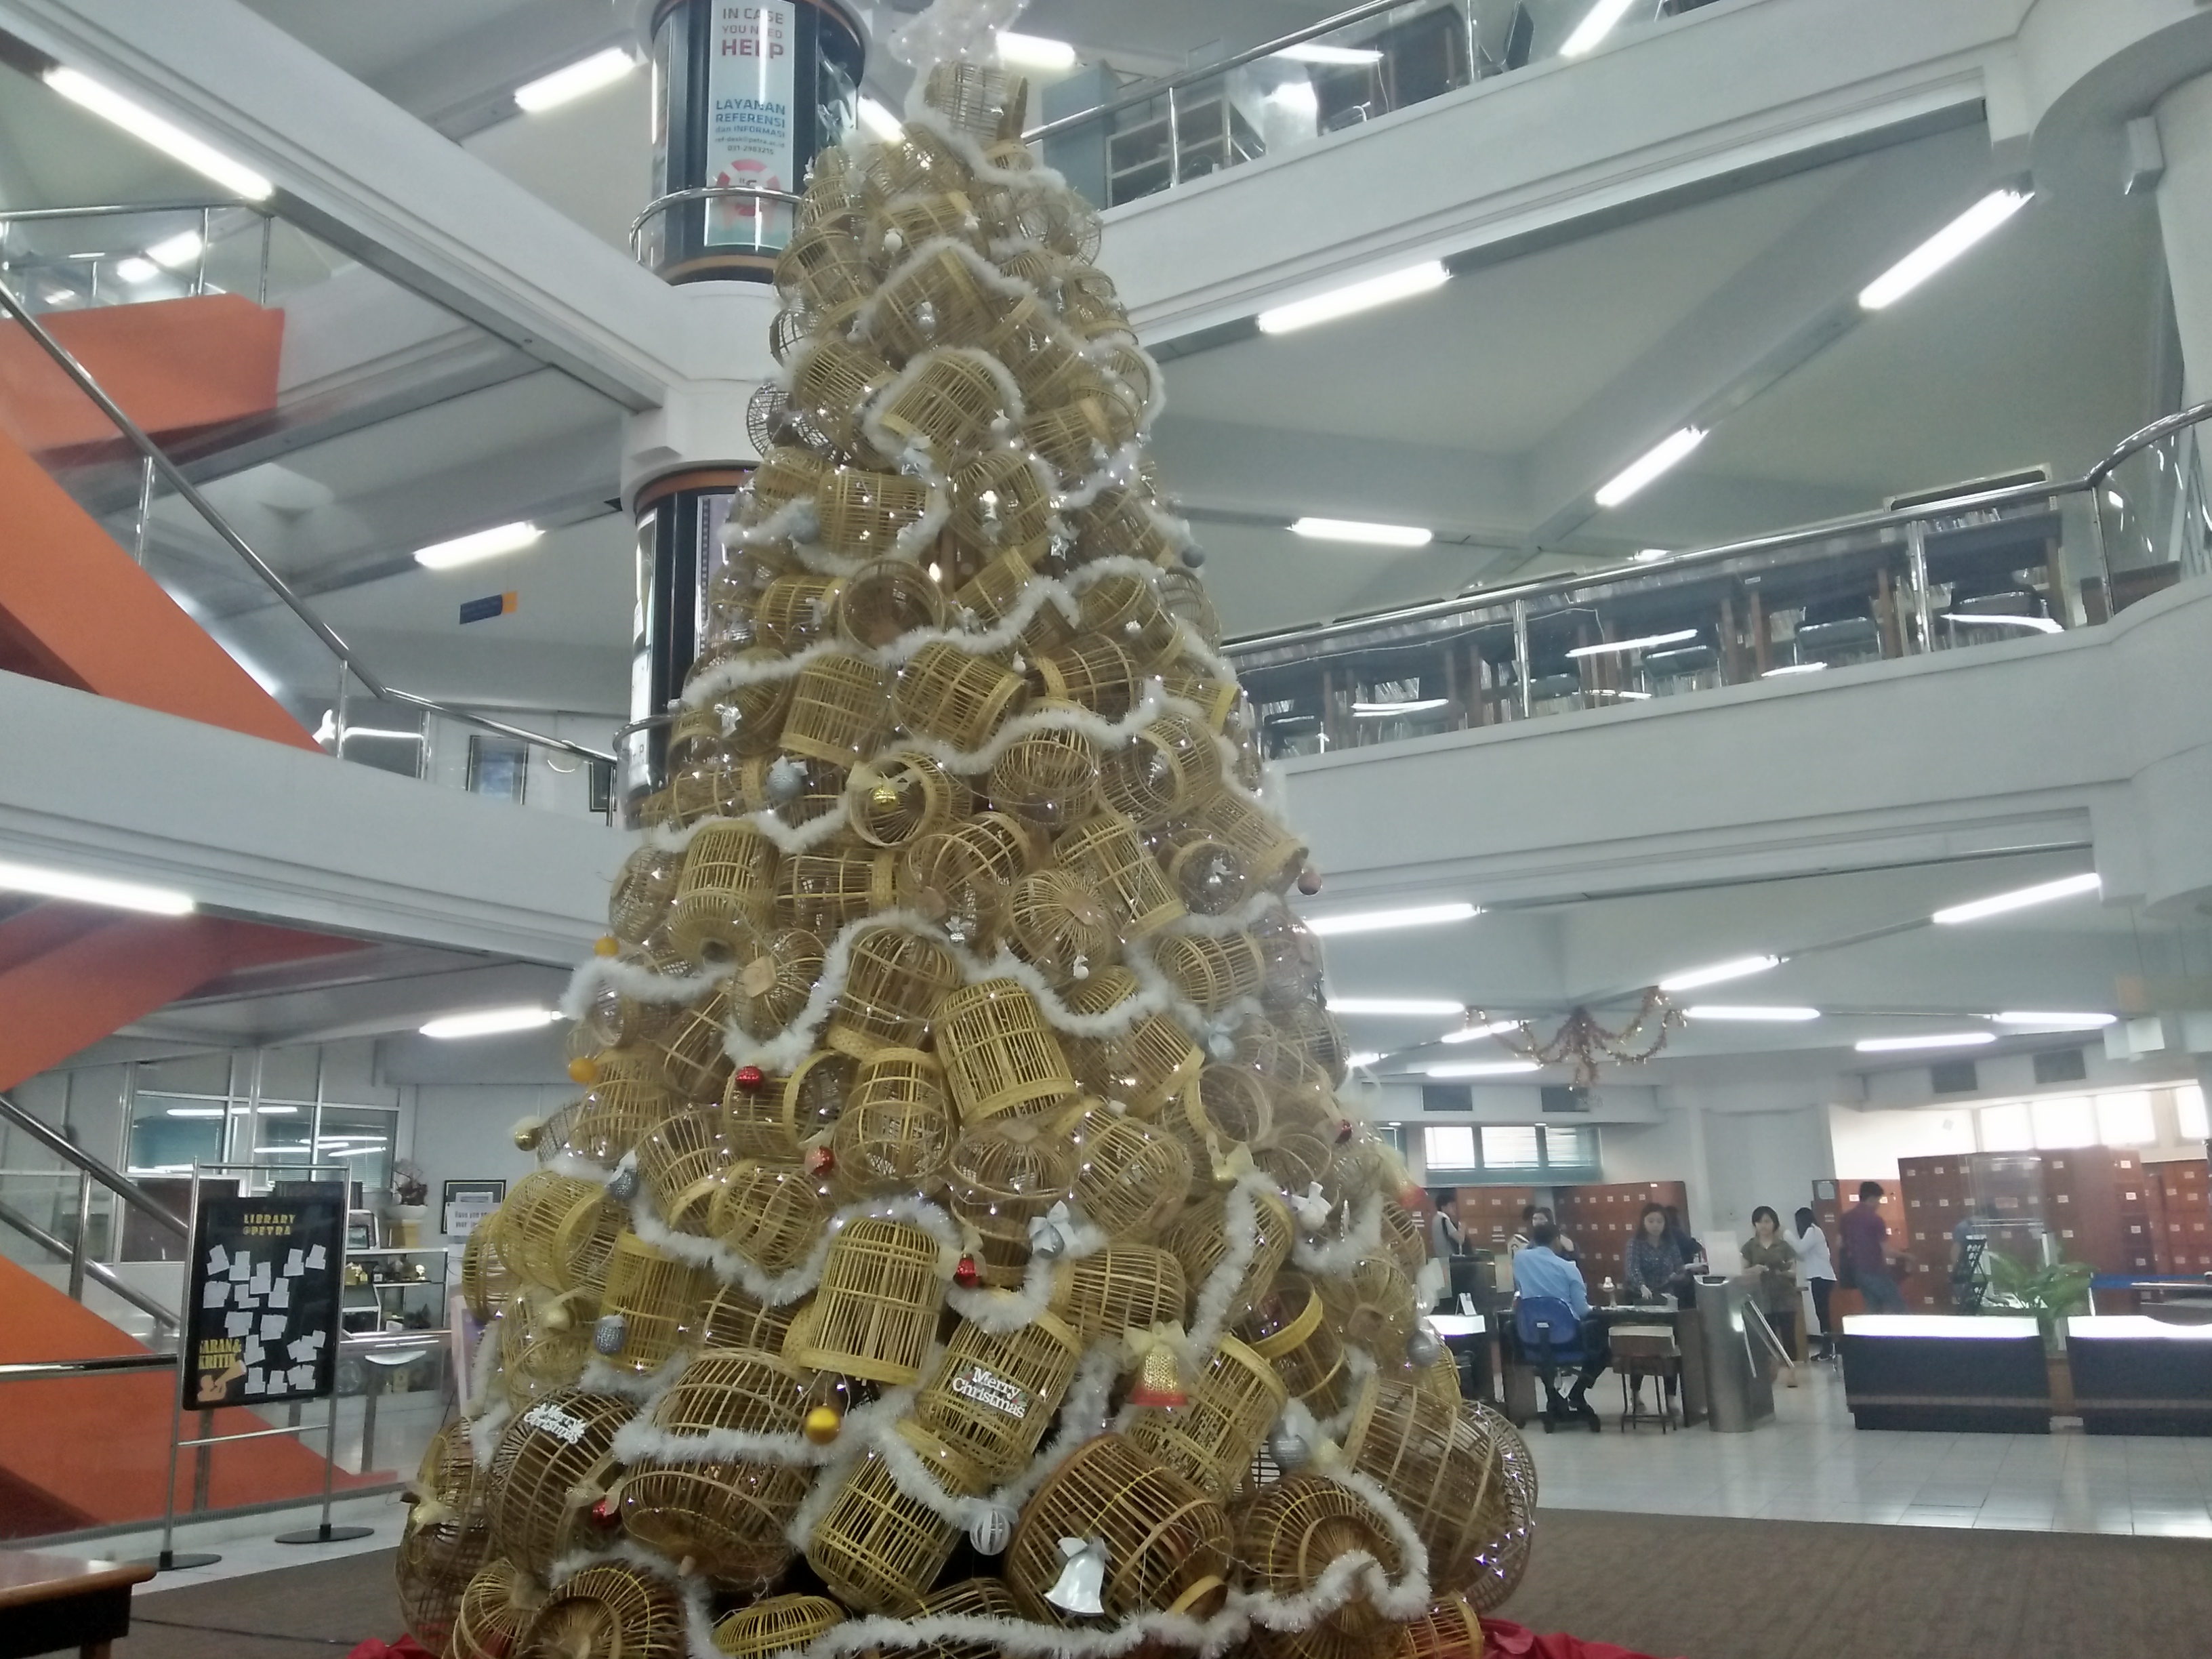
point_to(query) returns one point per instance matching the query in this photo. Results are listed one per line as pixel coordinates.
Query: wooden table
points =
(49, 1602)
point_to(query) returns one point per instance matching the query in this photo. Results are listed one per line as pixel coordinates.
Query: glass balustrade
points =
(1963, 573)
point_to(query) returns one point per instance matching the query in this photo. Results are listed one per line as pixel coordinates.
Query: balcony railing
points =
(1974, 568)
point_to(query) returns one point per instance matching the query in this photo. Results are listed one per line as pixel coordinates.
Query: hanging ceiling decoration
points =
(1584, 1044)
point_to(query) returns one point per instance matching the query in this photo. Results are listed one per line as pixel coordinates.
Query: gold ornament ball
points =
(584, 1069)
(822, 1425)
(606, 945)
(526, 1132)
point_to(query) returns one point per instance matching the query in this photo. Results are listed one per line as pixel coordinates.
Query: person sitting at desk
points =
(1653, 1266)
(1540, 1270)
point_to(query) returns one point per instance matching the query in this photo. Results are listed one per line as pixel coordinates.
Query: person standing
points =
(1866, 1261)
(1816, 1271)
(1652, 1267)
(1774, 1259)
(1447, 1235)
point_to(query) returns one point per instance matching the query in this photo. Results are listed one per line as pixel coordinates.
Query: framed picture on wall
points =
(463, 1204)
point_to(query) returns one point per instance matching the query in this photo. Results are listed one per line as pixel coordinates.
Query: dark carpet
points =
(1664, 1585)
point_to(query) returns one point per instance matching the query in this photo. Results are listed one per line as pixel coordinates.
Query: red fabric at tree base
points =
(1505, 1640)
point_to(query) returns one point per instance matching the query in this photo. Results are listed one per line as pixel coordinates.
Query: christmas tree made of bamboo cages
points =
(959, 1243)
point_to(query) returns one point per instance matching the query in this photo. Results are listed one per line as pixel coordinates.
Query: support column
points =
(679, 518)
(2185, 214)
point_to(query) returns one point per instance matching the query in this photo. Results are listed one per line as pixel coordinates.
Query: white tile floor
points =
(1810, 1464)
(248, 1543)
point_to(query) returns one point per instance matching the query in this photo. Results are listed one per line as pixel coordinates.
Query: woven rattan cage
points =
(610, 1610)
(431, 1571)
(1161, 772)
(786, 474)
(778, 1623)
(1317, 1035)
(544, 1343)
(883, 600)
(1055, 924)
(999, 586)
(1228, 1107)
(999, 1054)
(819, 892)
(775, 974)
(1405, 1237)
(991, 1396)
(1000, 1177)
(948, 403)
(823, 266)
(841, 710)
(894, 798)
(681, 1164)
(1095, 674)
(661, 1301)
(1200, 1242)
(956, 698)
(974, 1598)
(1124, 607)
(1047, 777)
(643, 894)
(1130, 1177)
(937, 297)
(796, 610)
(910, 221)
(1450, 1629)
(876, 1309)
(713, 788)
(1074, 439)
(918, 161)
(1287, 1535)
(986, 104)
(1362, 1167)
(749, 714)
(687, 1053)
(1167, 1543)
(614, 1020)
(1210, 970)
(1297, 1156)
(1372, 1307)
(624, 1106)
(1121, 1287)
(1186, 599)
(727, 890)
(875, 1547)
(556, 1231)
(861, 512)
(726, 1514)
(1107, 855)
(831, 381)
(1124, 523)
(1215, 701)
(896, 1129)
(1210, 1439)
(1148, 1063)
(953, 879)
(1207, 875)
(487, 1282)
(549, 1469)
(494, 1608)
(1293, 958)
(1439, 1462)
(821, 787)
(753, 1121)
(1289, 1329)
(734, 1320)
(894, 979)
(999, 499)
(1036, 350)
(772, 1214)
(1271, 853)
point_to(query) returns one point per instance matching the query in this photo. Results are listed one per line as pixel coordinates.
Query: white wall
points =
(464, 1132)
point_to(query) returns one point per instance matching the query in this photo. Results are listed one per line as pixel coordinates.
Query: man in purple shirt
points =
(1866, 1253)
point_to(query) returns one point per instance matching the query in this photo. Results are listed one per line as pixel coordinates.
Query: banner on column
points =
(750, 52)
(261, 1313)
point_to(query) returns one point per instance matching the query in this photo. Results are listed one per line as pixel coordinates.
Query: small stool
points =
(1641, 1351)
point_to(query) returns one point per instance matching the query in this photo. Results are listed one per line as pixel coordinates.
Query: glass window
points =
(2189, 1107)
(362, 1138)
(2125, 1120)
(1569, 1146)
(1448, 1148)
(1510, 1146)
(2007, 1129)
(498, 766)
(2064, 1120)
(170, 1133)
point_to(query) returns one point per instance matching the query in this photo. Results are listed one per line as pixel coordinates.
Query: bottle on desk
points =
(1610, 1292)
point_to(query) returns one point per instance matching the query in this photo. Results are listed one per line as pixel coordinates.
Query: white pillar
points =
(2185, 214)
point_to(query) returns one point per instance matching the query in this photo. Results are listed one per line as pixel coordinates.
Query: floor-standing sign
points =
(259, 1326)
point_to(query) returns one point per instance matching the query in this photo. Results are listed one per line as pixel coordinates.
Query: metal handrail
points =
(106, 1174)
(1165, 84)
(707, 193)
(1540, 588)
(163, 1316)
(25, 1371)
(159, 460)
(125, 209)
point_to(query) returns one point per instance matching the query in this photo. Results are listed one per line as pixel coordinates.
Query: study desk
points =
(50, 1602)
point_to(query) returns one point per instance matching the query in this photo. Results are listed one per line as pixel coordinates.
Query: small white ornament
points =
(1081, 1579)
(1312, 1209)
(607, 1334)
(622, 1185)
(992, 1530)
(786, 778)
(1289, 1450)
(1423, 1347)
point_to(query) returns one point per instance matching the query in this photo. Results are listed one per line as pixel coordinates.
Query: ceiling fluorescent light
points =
(1469, 1033)
(180, 249)
(1375, 922)
(1426, 1007)
(2039, 624)
(196, 1111)
(1483, 1068)
(878, 119)
(1372, 535)
(2058, 1022)
(1892, 1045)
(1367, 1057)
(1598, 21)
(478, 545)
(1940, 250)
(1735, 968)
(135, 269)
(93, 890)
(1609, 647)
(1312, 51)
(1750, 1012)
(1375, 711)
(564, 86)
(1356, 296)
(1997, 904)
(1652, 554)
(1669, 452)
(165, 136)
(491, 1022)
(1036, 51)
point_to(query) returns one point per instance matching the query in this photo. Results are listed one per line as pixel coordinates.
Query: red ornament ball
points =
(750, 1077)
(1310, 881)
(1344, 1130)
(820, 1160)
(607, 1512)
(966, 1275)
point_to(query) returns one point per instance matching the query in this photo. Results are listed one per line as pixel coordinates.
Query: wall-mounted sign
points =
(483, 609)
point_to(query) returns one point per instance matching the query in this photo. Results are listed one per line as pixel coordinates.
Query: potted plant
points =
(410, 1193)
(2050, 1293)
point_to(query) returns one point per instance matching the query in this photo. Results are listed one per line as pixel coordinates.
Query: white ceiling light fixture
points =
(197, 1111)
(1750, 1012)
(491, 1022)
(1376, 711)
(135, 269)
(878, 119)
(2034, 624)
(1652, 554)
(1600, 21)
(1036, 51)
(1483, 1068)
(1649, 641)
(1412, 1007)
(1719, 972)
(94, 890)
(1375, 922)
(1669, 452)
(565, 86)
(1370, 535)
(1892, 1045)
(2020, 899)
(1312, 51)
(1354, 297)
(1947, 244)
(1491, 1028)
(477, 544)
(1366, 1057)
(178, 250)
(163, 135)
(2083, 1022)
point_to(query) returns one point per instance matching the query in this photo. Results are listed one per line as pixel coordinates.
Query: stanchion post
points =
(325, 1533)
(171, 1560)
